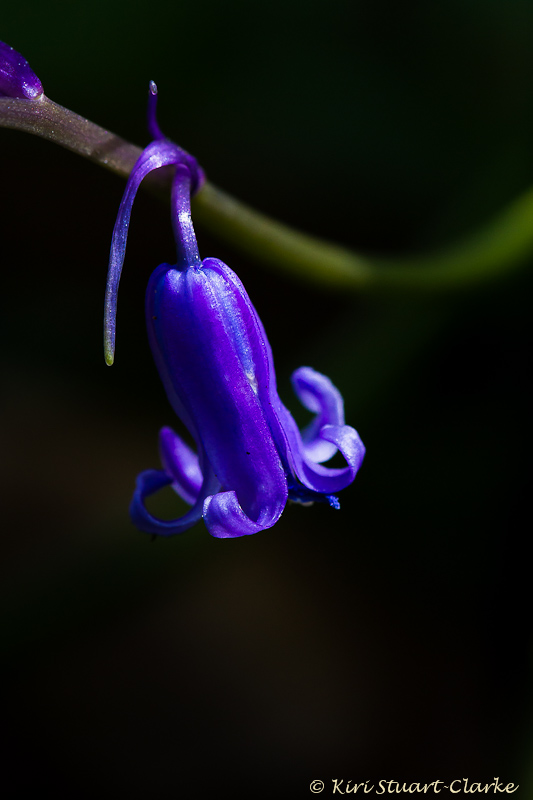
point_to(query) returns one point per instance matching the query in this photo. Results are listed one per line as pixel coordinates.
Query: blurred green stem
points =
(490, 252)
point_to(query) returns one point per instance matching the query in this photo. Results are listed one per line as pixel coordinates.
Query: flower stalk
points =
(491, 252)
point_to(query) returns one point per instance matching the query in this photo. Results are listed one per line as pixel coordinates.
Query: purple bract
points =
(216, 364)
(17, 79)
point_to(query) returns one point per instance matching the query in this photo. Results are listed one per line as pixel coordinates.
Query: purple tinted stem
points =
(156, 155)
(186, 244)
(153, 126)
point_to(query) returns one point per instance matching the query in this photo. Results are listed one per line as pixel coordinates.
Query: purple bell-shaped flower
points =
(216, 364)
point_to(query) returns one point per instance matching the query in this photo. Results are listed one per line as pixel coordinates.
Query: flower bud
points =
(17, 79)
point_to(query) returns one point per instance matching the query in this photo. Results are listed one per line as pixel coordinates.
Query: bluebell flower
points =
(214, 359)
(17, 79)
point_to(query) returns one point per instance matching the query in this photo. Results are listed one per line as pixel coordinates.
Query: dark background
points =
(385, 641)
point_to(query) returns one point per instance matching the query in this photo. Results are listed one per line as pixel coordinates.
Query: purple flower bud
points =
(216, 364)
(17, 79)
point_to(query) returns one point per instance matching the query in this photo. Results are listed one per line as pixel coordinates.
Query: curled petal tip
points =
(17, 79)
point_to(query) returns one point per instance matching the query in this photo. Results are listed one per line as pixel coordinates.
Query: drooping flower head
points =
(216, 365)
(17, 79)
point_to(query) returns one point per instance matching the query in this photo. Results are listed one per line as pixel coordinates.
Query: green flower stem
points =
(489, 253)
(502, 245)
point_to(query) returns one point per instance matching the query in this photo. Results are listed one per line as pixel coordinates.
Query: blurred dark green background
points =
(385, 641)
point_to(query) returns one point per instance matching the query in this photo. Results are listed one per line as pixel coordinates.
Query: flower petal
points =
(182, 464)
(225, 518)
(300, 468)
(244, 328)
(212, 360)
(325, 480)
(317, 393)
(150, 482)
